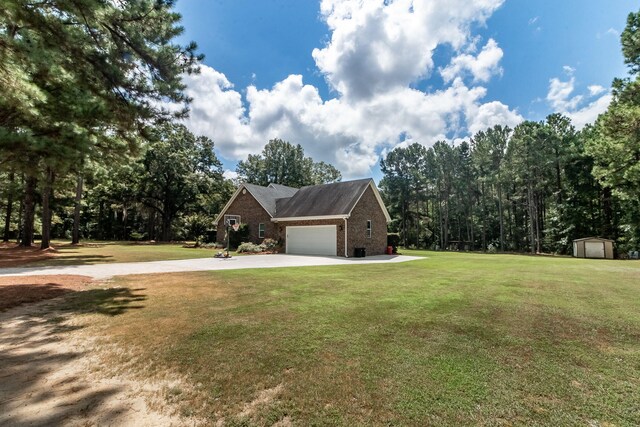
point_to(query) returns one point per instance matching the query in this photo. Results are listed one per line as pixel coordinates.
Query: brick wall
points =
(367, 208)
(252, 214)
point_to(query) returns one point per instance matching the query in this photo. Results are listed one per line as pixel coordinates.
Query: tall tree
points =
(177, 168)
(86, 78)
(404, 188)
(615, 142)
(284, 163)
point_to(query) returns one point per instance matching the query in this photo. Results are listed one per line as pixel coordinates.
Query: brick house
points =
(329, 219)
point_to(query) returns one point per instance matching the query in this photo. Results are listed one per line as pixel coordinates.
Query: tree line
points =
(84, 85)
(91, 140)
(90, 149)
(533, 188)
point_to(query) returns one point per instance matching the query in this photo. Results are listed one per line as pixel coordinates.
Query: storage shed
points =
(593, 247)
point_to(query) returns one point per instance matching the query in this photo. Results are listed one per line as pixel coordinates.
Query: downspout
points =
(346, 254)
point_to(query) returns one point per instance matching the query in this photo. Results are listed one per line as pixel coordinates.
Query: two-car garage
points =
(312, 240)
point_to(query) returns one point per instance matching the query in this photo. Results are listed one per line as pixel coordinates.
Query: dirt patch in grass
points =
(18, 290)
(12, 255)
(264, 398)
(57, 370)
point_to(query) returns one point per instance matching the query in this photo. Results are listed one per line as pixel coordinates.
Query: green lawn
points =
(101, 252)
(454, 339)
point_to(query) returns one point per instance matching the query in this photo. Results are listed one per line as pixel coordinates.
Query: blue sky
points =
(350, 81)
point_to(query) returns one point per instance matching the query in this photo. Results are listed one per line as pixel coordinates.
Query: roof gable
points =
(336, 199)
(326, 200)
(265, 196)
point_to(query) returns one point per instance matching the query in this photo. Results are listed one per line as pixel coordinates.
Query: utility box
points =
(360, 252)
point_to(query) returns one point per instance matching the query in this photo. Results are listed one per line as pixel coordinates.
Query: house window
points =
(261, 230)
(369, 228)
(231, 219)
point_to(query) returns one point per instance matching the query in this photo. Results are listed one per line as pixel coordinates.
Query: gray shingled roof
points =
(318, 200)
(267, 196)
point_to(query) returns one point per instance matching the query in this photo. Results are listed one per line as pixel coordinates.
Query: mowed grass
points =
(454, 339)
(105, 252)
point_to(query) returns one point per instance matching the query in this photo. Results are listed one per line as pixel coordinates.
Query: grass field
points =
(454, 339)
(99, 252)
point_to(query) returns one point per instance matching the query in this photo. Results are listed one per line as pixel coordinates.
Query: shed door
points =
(594, 249)
(312, 240)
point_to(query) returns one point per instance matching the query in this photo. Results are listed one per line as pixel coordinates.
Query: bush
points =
(137, 236)
(237, 237)
(269, 245)
(212, 246)
(248, 247)
(492, 249)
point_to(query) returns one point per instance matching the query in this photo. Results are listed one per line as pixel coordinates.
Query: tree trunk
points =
(532, 219)
(152, 225)
(606, 228)
(166, 228)
(559, 191)
(500, 215)
(47, 197)
(417, 224)
(29, 205)
(484, 218)
(75, 234)
(404, 223)
(20, 212)
(125, 220)
(446, 224)
(537, 212)
(440, 218)
(7, 218)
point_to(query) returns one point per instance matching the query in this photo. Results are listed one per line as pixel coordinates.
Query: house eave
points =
(309, 218)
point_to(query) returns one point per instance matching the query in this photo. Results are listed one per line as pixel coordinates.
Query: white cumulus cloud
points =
(379, 45)
(561, 98)
(376, 51)
(595, 90)
(559, 95)
(589, 113)
(481, 67)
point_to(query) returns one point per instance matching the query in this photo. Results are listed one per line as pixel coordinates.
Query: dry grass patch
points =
(63, 253)
(457, 339)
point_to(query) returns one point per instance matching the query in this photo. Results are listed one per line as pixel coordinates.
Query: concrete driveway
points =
(105, 271)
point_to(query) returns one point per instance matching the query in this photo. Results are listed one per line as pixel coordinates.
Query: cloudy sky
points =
(350, 80)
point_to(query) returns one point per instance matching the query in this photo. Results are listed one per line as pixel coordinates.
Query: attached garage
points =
(312, 240)
(593, 247)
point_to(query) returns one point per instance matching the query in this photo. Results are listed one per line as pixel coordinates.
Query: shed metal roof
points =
(602, 239)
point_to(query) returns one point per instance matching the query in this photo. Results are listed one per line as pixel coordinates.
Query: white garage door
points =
(312, 240)
(594, 249)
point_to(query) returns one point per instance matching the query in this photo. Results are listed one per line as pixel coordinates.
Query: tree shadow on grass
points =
(43, 373)
(72, 260)
(110, 301)
(15, 295)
